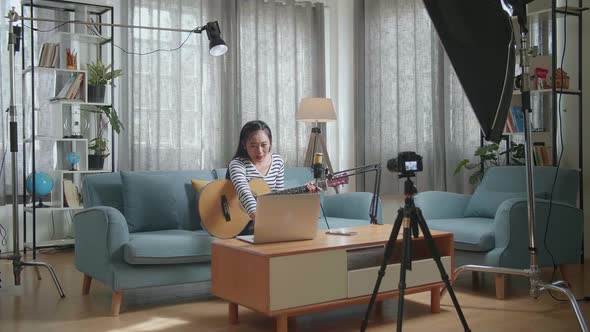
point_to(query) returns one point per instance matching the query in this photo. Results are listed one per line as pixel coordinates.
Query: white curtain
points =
(185, 108)
(413, 99)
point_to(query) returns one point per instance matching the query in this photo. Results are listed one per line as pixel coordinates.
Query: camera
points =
(406, 163)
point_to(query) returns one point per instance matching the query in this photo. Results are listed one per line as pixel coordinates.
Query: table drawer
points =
(362, 281)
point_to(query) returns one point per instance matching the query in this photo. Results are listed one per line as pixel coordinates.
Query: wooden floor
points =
(36, 306)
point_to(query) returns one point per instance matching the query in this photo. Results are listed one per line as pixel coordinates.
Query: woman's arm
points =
(237, 174)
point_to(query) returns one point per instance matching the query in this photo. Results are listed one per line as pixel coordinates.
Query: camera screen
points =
(411, 165)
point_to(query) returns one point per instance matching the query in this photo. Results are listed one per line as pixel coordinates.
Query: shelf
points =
(29, 209)
(51, 244)
(52, 69)
(76, 102)
(56, 139)
(546, 13)
(564, 91)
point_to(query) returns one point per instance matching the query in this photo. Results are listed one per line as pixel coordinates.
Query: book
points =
(71, 198)
(518, 118)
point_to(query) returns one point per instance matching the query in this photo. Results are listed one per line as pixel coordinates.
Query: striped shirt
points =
(241, 170)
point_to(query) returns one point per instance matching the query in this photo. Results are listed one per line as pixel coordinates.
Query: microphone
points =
(318, 165)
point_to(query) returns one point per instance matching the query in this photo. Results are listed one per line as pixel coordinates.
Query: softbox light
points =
(479, 40)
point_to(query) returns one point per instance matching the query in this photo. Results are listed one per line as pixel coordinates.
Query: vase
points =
(95, 162)
(96, 93)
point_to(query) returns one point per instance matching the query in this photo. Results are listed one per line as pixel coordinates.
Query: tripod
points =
(411, 218)
(314, 137)
(17, 263)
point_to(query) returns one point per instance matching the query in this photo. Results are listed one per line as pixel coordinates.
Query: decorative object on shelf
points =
(562, 80)
(100, 145)
(71, 194)
(99, 76)
(43, 186)
(71, 59)
(73, 158)
(73, 123)
(488, 157)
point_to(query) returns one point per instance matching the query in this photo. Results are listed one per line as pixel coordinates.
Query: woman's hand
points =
(312, 187)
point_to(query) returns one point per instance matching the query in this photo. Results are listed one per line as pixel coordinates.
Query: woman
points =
(253, 159)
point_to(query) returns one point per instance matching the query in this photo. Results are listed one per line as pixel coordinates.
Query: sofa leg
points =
(116, 303)
(86, 284)
(500, 286)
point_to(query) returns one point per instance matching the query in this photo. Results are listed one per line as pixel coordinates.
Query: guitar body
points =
(220, 209)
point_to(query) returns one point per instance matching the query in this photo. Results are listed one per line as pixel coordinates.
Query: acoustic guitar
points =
(221, 212)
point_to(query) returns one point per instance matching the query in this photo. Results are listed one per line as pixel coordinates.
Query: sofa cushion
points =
(173, 246)
(340, 222)
(149, 201)
(471, 234)
(484, 203)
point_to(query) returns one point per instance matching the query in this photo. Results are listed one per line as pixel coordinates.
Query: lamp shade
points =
(316, 110)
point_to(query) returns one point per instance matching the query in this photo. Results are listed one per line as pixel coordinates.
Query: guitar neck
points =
(298, 190)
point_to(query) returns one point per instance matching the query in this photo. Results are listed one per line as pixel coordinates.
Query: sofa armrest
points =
(441, 204)
(100, 232)
(353, 205)
(564, 232)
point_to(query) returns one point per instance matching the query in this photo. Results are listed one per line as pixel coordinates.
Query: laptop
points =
(285, 218)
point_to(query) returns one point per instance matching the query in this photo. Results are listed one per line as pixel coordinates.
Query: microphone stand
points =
(537, 285)
(17, 263)
(376, 188)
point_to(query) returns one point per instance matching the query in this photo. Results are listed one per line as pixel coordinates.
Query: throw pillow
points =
(149, 201)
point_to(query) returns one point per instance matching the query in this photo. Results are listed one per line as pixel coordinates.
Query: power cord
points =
(325, 217)
(117, 46)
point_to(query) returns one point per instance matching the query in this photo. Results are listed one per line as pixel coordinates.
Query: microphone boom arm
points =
(376, 188)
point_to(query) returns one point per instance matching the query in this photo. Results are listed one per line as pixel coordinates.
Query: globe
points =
(43, 184)
(73, 158)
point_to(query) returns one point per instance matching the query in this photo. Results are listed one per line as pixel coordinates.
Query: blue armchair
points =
(491, 226)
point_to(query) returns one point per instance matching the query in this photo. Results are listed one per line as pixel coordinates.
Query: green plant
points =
(488, 156)
(101, 74)
(105, 116)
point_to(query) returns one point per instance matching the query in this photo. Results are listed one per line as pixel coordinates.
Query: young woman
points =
(253, 159)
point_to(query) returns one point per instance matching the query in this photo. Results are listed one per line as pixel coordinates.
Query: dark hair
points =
(247, 130)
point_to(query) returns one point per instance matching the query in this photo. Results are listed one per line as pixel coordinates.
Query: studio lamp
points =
(479, 39)
(217, 46)
(316, 110)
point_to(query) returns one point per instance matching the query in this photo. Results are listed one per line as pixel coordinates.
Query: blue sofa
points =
(142, 229)
(490, 227)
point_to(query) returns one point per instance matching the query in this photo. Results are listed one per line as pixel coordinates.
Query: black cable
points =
(324, 213)
(585, 298)
(117, 46)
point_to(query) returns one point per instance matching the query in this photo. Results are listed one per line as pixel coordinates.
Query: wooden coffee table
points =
(288, 279)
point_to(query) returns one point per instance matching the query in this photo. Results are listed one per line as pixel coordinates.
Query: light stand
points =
(316, 110)
(537, 285)
(17, 263)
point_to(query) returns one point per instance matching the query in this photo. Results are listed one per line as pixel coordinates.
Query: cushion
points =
(484, 203)
(471, 234)
(149, 201)
(174, 246)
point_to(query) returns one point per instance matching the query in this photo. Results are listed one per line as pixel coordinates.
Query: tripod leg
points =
(388, 251)
(443, 274)
(326, 156)
(311, 149)
(51, 271)
(405, 265)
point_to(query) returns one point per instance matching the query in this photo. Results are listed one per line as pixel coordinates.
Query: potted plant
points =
(100, 145)
(99, 76)
(488, 156)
